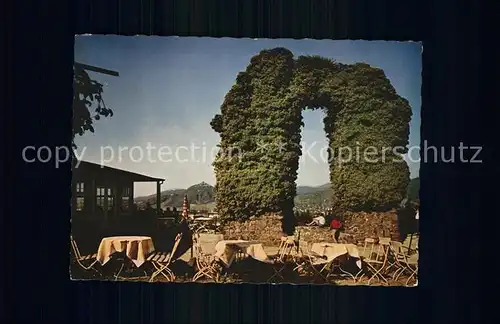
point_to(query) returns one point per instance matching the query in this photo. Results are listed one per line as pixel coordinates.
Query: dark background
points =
(455, 201)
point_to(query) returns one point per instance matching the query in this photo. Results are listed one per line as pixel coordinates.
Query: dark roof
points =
(96, 168)
(96, 69)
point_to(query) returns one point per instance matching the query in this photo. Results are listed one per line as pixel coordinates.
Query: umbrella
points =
(185, 215)
(185, 207)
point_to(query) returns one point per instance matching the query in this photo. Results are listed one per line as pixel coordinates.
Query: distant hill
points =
(202, 196)
(304, 190)
(313, 197)
(199, 194)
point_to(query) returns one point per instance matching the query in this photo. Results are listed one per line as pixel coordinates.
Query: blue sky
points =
(169, 89)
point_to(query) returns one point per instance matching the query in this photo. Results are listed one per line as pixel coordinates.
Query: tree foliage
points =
(261, 119)
(87, 95)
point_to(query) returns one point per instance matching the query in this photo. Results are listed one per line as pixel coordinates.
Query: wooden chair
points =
(395, 260)
(162, 260)
(309, 262)
(405, 263)
(328, 268)
(287, 248)
(86, 262)
(412, 268)
(206, 264)
(288, 253)
(375, 259)
(383, 242)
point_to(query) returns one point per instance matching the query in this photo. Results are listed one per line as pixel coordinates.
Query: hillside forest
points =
(202, 196)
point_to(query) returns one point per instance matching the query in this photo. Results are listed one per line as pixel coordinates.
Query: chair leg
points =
(397, 273)
(320, 273)
(167, 273)
(412, 275)
(359, 275)
(390, 266)
(153, 276)
(160, 269)
(89, 267)
(404, 268)
(204, 272)
(208, 271)
(329, 267)
(277, 272)
(347, 273)
(119, 271)
(309, 264)
(377, 274)
(195, 277)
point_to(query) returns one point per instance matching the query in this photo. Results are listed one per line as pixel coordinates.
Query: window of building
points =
(111, 199)
(79, 196)
(125, 198)
(100, 197)
(79, 203)
(80, 186)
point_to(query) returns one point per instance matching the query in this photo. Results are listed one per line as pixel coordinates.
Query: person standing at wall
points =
(337, 227)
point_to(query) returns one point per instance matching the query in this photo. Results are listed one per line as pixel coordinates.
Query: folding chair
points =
(406, 264)
(330, 266)
(162, 260)
(288, 248)
(337, 264)
(285, 254)
(89, 259)
(412, 267)
(385, 243)
(368, 246)
(206, 264)
(395, 259)
(311, 263)
(376, 259)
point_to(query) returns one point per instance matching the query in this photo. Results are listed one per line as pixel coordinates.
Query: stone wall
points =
(265, 229)
(376, 224)
(358, 226)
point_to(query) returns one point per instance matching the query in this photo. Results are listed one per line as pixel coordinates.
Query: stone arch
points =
(256, 175)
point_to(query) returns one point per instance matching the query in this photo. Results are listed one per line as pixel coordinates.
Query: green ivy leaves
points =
(265, 105)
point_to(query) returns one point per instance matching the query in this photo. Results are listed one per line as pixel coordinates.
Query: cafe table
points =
(135, 248)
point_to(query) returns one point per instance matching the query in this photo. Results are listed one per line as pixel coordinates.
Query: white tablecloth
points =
(226, 251)
(333, 250)
(136, 248)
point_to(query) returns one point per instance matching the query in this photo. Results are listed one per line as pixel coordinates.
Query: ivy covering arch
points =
(260, 125)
